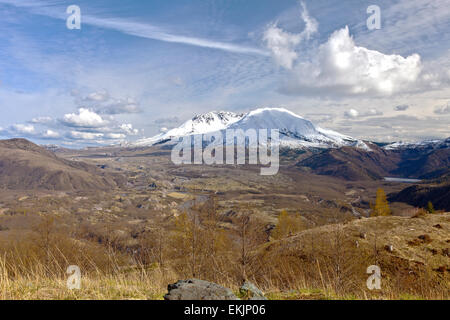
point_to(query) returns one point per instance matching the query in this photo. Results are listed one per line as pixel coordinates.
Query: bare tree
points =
(250, 234)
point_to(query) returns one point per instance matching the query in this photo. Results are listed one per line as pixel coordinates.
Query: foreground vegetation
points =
(287, 261)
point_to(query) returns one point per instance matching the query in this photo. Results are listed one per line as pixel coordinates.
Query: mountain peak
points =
(295, 131)
(273, 110)
(223, 116)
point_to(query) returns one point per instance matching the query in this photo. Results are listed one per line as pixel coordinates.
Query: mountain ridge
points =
(295, 131)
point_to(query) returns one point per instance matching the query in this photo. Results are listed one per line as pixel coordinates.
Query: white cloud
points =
(354, 114)
(28, 131)
(128, 129)
(116, 136)
(89, 136)
(50, 134)
(283, 44)
(90, 127)
(98, 96)
(102, 102)
(342, 67)
(373, 112)
(78, 135)
(84, 118)
(311, 25)
(23, 129)
(41, 120)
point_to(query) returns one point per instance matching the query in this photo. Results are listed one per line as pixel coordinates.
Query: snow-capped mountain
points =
(422, 145)
(200, 124)
(295, 131)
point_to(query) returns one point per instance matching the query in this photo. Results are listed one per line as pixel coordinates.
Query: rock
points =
(389, 248)
(258, 298)
(425, 238)
(195, 289)
(363, 235)
(250, 291)
(441, 269)
(356, 213)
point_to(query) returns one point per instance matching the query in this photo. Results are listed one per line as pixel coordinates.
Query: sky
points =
(135, 68)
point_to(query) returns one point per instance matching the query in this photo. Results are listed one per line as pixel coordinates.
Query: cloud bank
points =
(341, 67)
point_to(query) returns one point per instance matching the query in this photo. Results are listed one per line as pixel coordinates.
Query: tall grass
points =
(43, 282)
(33, 279)
(331, 267)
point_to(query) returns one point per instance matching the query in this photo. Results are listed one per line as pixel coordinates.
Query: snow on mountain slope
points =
(427, 144)
(200, 124)
(295, 131)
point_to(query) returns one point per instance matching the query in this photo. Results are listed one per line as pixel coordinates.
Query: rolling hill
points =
(27, 166)
(357, 164)
(418, 196)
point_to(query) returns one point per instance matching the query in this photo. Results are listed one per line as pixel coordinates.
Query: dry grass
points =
(151, 284)
(119, 286)
(319, 263)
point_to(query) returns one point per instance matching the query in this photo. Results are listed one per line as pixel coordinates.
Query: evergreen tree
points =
(430, 207)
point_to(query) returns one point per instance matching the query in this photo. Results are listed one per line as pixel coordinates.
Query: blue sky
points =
(136, 67)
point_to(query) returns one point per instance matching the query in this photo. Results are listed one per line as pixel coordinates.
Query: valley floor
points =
(296, 235)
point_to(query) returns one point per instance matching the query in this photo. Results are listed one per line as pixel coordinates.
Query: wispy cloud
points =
(151, 32)
(283, 44)
(137, 29)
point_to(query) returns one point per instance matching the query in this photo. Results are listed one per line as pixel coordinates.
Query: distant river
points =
(401, 180)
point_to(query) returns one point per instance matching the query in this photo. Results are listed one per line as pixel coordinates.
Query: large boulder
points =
(249, 291)
(194, 289)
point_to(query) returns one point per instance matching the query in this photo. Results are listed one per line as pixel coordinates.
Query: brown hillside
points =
(25, 165)
(419, 196)
(416, 242)
(351, 163)
(356, 164)
(412, 254)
